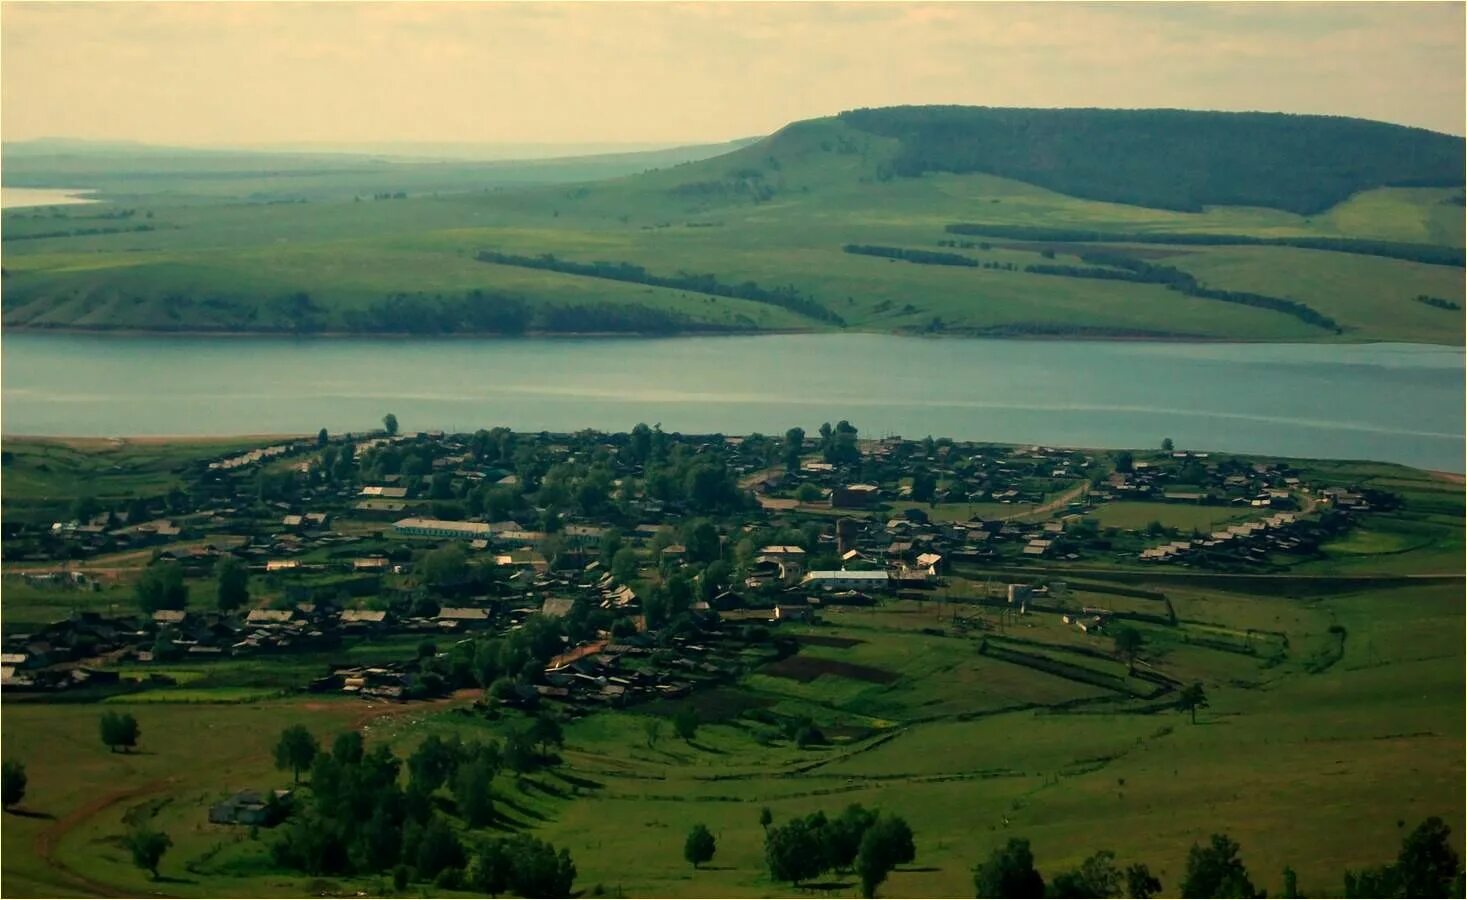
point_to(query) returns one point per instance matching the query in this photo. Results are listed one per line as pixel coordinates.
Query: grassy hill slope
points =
(777, 215)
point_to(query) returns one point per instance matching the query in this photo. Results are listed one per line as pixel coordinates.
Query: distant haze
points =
(358, 74)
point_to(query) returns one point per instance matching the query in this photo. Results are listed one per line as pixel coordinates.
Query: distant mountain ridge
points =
(1168, 158)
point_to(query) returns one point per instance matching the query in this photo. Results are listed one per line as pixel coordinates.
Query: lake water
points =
(1396, 402)
(14, 198)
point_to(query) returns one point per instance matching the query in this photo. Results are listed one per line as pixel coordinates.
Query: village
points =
(658, 562)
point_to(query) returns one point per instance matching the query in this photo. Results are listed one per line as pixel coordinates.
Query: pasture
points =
(1308, 756)
(223, 264)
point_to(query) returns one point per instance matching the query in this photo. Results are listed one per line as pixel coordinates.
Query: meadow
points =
(776, 213)
(1305, 765)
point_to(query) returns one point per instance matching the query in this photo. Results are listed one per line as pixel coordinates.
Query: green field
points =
(1305, 768)
(224, 263)
(1184, 516)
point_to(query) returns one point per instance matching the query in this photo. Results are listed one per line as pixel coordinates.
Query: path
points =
(1045, 509)
(50, 839)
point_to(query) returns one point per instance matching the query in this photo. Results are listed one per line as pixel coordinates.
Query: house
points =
(855, 495)
(790, 560)
(557, 607)
(847, 579)
(269, 616)
(467, 617)
(169, 616)
(794, 612)
(251, 808)
(362, 619)
(370, 564)
(385, 493)
(419, 527)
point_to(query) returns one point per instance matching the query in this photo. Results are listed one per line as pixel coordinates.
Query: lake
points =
(1395, 402)
(15, 198)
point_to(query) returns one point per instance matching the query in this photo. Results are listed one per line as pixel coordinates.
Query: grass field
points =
(224, 264)
(1305, 768)
(1184, 516)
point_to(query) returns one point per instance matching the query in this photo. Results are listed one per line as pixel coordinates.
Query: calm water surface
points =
(1396, 402)
(14, 198)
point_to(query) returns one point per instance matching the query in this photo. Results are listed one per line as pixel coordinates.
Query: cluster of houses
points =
(1250, 541)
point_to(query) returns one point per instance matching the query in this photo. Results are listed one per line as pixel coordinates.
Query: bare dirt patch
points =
(809, 668)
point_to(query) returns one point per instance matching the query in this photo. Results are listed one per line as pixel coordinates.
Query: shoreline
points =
(1079, 335)
(94, 442)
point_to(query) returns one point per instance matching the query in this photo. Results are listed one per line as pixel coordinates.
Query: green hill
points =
(876, 219)
(1170, 158)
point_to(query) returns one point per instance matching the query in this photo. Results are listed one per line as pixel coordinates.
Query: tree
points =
(1140, 883)
(1167, 445)
(161, 587)
(1191, 699)
(1425, 867)
(438, 849)
(389, 422)
(444, 566)
(808, 492)
(471, 790)
(653, 728)
(1128, 643)
(794, 445)
(701, 540)
(147, 847)
(119, 730)
(1009, 872)
(1096, 877)
(1216, 871)
(841, 837)
(624, 565)
(885, 845)
(234, 583)
(296, 750)
(1427, 864)
(1291, 884)
(322, 438)
(766, 818)
(792, 851)
(545, 732)
(685, 723)
(700, 846)
(347, 749)
(12, 783)
(491, 868)
(432, 763)
(1125, 462)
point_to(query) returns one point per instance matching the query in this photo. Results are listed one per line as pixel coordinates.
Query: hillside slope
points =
(811, 228)
(1170, 158)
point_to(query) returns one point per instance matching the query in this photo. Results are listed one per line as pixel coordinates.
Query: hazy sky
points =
(222, 73)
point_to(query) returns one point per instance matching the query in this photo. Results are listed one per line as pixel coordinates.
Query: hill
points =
(874, 219)
(1170, 158)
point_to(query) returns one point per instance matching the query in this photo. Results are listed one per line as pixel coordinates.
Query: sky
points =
(603, 72)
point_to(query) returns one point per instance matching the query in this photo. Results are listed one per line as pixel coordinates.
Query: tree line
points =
(1438, 302)
(1167, 158)
(479, 311)
(1120, 267)
(787, 297)
(1423, 253)
(1426, 866)
(924, 257)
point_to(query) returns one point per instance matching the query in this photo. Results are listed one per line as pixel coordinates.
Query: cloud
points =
(256, 72)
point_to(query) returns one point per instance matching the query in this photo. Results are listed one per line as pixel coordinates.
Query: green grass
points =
(44, 476)
(347, 255)
(1308, 770)
(1184, 516)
